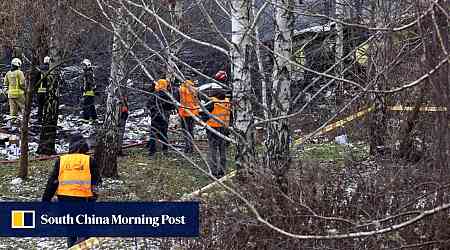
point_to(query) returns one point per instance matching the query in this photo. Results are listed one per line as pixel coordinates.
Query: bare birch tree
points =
(279, 135)
(242, 94)
(107, 149)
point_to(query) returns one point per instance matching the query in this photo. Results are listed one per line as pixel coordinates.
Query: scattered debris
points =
(341, 139)
(16, 181)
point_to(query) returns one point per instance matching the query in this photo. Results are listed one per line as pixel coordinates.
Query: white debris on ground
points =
(136, 131)
(16, 181)
(341, 139)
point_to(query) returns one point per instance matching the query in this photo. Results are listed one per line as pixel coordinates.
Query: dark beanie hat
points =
(78, 144)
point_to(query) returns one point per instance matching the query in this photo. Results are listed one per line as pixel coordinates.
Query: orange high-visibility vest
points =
(188, 100)
(74, 176)
(221, 113)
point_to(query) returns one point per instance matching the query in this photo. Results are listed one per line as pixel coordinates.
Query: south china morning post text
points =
(102, 219)
(115, 219)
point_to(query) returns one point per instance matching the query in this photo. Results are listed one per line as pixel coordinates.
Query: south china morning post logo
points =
(100, 219)
(23, 219)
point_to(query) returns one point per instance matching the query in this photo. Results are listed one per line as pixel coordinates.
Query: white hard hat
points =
(86, 62)
(16, 62)
(47, 59)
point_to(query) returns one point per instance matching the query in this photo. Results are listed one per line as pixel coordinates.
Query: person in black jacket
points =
(42, 87)
(159, 106)
(89, 87)
(74, 177)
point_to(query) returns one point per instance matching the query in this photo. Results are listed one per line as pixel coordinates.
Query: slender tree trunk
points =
(242, 94)
(339, 53)
(23, 162)
(379, 53)
(278, 137)
(32, 79)
(436, 49)
(107, 148)
(50, 117)
(406, 148)
(174, 46)
(259, 58)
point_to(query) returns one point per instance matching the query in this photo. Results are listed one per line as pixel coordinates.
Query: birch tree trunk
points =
(242, 94)
(377, 55)
(107, 147)
(47, 138)
(174, 46)
(259, 58)
(278, 137)
(339, 51)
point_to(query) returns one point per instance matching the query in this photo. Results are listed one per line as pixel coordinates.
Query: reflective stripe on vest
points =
(89, 93)
(14, 89)
(221, 113)
(41, 88)
(74, 176)
(188, 101)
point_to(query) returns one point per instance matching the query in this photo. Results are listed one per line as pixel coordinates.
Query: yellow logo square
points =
(22, 219)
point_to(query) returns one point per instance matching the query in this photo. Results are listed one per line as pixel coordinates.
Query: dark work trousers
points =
(187, 124)
(88, 106)
(122, 123)
(41, 98)
(158, 130)
(76, 201)
(217, 152)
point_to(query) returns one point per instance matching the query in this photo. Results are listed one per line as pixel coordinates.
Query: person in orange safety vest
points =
(218, 118)
(189, 107)
(74, 178)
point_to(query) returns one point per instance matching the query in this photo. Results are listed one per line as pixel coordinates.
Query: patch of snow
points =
(16, 181)
(315, 29)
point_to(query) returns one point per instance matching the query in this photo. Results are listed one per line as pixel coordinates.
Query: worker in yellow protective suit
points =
(15, 83)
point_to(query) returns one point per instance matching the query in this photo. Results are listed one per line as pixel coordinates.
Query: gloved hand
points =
(204, 116)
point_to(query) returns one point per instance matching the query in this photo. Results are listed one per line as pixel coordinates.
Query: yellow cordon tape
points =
(326, 129)
(209, 186)
(362, 113)
(87, 244)
(335, 125)
(422, 109)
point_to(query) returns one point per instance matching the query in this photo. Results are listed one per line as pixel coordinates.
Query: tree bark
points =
(48, 134)
(339, 52)
(107, 147)
(23, 162)
(278, 137)
(242, 94)
(378, 54)
(174, 46)
(436, 48)
(259, 58)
